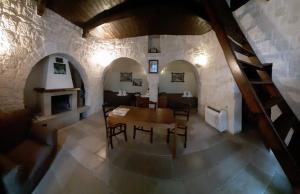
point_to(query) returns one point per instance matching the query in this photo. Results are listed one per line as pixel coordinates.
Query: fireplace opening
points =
(60, 104)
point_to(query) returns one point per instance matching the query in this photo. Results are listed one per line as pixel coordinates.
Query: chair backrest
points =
(182, 110)
(152, 105)
(142, 102)
(106, 110)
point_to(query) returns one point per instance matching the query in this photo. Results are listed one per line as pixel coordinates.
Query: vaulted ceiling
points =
(108, 19)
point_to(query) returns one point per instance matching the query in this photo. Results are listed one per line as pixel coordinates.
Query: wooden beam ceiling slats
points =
(128, 18)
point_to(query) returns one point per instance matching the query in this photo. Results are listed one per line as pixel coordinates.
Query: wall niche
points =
(154, 44)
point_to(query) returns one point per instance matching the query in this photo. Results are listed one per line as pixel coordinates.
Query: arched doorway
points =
(122, 80)
(55, 85)
(179, 83)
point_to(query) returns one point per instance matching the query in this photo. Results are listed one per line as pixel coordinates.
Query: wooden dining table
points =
(137, 115)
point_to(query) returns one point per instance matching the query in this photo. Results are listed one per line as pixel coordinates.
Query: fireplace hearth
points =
(60, 104)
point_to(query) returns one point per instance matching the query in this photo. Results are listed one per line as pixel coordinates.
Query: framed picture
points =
(137, 82)
(153, 66)
(125, 77)
(59, 68)
(177, 77)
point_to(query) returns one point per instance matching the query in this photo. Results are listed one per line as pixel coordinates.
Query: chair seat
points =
(181, 123)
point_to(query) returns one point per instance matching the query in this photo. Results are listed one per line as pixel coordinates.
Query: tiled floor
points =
(212, 163)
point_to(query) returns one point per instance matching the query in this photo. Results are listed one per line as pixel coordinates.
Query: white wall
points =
(112, 76)
(272, 27)
(57, 81)
(35, 80)
(189, 84)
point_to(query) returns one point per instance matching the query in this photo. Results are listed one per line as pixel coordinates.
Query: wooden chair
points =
(181, 124)
(142, 102)
(149, 129)
(182, 110)
(112, 129)
(152, 105)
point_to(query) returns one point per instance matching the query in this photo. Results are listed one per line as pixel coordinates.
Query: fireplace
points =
(60, 104)
(57, 101)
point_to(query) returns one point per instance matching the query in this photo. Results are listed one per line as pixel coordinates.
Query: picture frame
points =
(153, 66)
(177, 77)
(137, 82)
(60, 68)
(125, 77)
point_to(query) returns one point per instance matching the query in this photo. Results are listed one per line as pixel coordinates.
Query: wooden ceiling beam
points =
(41, 7)
(133, 8)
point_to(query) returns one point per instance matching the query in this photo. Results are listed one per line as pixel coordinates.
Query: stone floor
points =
(213, 162)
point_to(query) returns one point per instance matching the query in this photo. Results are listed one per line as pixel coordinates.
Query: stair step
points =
(272, 102)
(240, 49)
(248, 65)
(294, 147)
(259, 82)
(283, 124)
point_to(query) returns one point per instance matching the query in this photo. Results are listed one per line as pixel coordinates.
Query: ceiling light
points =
(201, 60)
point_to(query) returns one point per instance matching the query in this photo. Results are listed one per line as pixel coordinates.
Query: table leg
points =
(174, 144)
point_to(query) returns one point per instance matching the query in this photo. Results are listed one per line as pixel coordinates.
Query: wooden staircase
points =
(253, 78)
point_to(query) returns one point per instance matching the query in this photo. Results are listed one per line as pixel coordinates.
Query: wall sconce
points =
(4, 44)
(201, 60)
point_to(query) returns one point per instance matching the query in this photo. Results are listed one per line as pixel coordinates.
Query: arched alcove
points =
(179, 77)
(37, 79)
(114, 78)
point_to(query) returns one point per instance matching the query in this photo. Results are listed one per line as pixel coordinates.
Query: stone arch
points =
(196, 73)
(77, 65)
(120, 58)
(108, 67)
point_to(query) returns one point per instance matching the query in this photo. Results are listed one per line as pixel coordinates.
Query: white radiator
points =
(216, 118)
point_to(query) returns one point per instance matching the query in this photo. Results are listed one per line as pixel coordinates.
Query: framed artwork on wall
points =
(59, 68)
(137, 82)
(125, 77)
(153, 66)
(177, 77)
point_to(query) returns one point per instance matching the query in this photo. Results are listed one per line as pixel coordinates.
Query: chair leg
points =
(110, 139)
(168, 136)
(185, 137)
(151, 135)
(125, 133)
(134, 131)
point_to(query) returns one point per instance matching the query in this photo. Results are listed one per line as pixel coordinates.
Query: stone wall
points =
(272, 27)
(27, 38)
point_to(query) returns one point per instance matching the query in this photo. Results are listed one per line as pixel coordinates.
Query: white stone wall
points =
(27, 38)
(273, 30)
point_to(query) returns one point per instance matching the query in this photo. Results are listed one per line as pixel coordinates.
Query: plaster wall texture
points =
(26, 38)
(272, 27)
